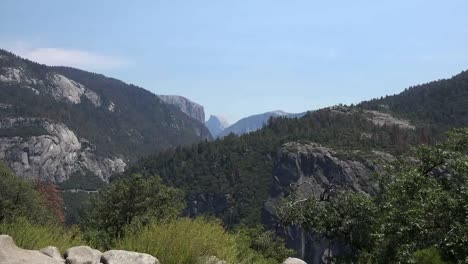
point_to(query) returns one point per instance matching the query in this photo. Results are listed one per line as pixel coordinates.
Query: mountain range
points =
(56, 122)
(253, 123)
(82, 129)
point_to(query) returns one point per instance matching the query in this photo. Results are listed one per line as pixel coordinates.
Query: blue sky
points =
(239, 58)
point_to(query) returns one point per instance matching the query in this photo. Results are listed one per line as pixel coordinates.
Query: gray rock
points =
(311, 168)
(52, 155)
(216, 125)
(294, 261)
(124, 257)
(11, 254)
(82, 255)
(188, 107)
(52, 252)
(212, 260)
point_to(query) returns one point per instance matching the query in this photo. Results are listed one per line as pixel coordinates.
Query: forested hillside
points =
(231, 177)
(119, 118)
(442, 103)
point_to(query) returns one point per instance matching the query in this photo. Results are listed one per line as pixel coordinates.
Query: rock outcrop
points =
(124, 257)
(188, 107)
(294, 261)
(51, 151)
(216, 125)
(310, 168)
(11, 254)
(52, 252)
(83, 255)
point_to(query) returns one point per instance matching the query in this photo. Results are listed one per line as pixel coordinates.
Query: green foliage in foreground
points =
(126, 201)
(422, 204)
(34, 236)
(73, 202)
(187, 241)
(264, 242)
(19, 199)
(140, 215)
(428, 256)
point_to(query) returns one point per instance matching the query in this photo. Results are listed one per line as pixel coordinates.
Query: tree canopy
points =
(421, 208)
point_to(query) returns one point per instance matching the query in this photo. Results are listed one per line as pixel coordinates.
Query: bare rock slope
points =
(188, 107)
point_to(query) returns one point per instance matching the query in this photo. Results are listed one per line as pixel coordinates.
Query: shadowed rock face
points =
(51, 152)
(317, 166)
(188, 107)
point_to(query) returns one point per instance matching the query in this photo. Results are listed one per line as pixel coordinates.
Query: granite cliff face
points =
(216, 125)
(58, 121)
(188, 107)
(307, 169)
(53, 153)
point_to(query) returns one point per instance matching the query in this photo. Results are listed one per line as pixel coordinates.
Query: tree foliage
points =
(422, 203)
(19, 199)
(126, 201)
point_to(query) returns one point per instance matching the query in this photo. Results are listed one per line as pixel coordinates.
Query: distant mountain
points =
(188, 107)
(254, 122)
(216, 125)
(56, 122)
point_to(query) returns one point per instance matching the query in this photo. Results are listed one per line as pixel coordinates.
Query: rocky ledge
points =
(11, 254)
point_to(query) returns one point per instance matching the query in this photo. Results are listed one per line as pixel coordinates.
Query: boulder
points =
(11, 254)
(83, 255)
(124, 257)
(294, 261)
(52, 252)
(212, 260)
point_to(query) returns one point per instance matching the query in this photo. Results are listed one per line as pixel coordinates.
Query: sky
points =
(238, 58)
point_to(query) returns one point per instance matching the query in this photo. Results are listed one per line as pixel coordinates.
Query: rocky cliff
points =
(308, 169)
(216, 125)
(58, 121)
(54, 152)
(188, 107)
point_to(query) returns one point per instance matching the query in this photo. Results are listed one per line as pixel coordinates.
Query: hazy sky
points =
(239, 58)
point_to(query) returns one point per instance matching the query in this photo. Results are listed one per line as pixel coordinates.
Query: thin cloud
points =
(69, 57)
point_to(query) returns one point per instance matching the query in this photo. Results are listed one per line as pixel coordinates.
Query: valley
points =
(85, 133)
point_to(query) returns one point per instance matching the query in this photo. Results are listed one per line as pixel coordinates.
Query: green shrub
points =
(126, 201)
(33, 236)
(265, 242)
(19, 199)
(428, 256)
(185, 241)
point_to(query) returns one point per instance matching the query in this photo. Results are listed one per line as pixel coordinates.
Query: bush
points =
(265, 242)
(19, 199)
(33, 236)
(126, 201)
(428, 256)
(187, 241)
